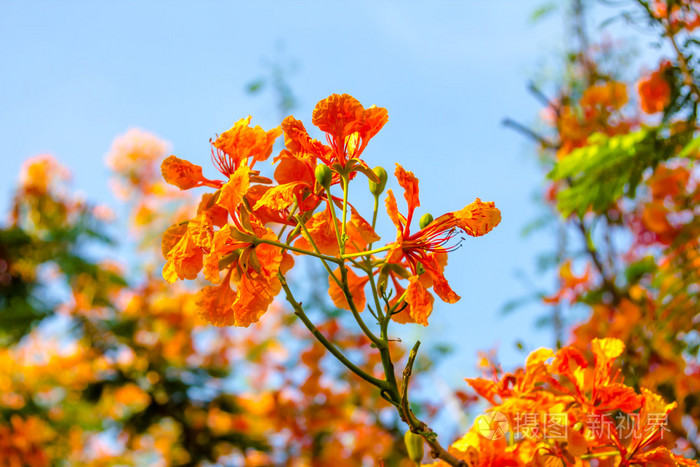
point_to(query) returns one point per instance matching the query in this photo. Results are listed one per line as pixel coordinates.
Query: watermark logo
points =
(492, 425)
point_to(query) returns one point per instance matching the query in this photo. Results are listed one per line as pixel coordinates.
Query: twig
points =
(528, 132)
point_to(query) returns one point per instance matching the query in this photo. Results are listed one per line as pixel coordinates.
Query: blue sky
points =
(77, 74)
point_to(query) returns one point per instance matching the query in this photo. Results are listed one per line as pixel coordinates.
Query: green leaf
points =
(690, 148)
(543, 11)
(255, 86)
(608, 168)
(636, 270)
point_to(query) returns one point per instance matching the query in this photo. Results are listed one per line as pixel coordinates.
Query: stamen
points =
(222, 161)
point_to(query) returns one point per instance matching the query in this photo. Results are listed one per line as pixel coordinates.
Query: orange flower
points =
(668, 182)
(426, 249)
(571, 285)
(603, 392)
(234, 154)
(608, 96)
(348, 125)
(242, 144)
(253, 270)
(584, 398)
(40, 173)
(648, 430)
(655, 90)
(299, 188)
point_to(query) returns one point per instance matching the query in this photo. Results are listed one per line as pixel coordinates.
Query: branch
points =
(417, 426)
(519, 127)
(608, 284)
(299, 311)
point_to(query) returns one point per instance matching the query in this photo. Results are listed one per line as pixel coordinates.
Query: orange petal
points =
(485, 388)
(409, 183)
(419, 300)
(201, 231)
(356, 285)
(661, 456)
(654, 92)
(219, 248)
(374, 120)
(297, 140)
(295, 135)
(171, 237)
(338, 115)
(566, 360)
(478, 218)
(181, 173)
(538, 357)
(234, 190)
(287, 263)
(360, 233)
(440, 285)
(214, 304)
(292, 169)
(569, 280)
(668, 182)
(217, 214)
(393, 212)
(320, 227)
(255, 295)
(609, 95)
(617, 396)
(607, 349)
(243, 143)
(280, 196)
(184, 260)
(264, 214)
(654, 217)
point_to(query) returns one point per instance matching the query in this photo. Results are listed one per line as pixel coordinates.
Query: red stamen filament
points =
(222, 161)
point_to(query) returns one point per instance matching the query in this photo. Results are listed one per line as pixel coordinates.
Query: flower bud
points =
(378, 188)
(425, 220)
(323, 175)
(414, 446)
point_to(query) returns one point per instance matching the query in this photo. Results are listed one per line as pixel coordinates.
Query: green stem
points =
(365, 253)
(313, 244)
(298, 250)
(374, 213)
(291, 214)
(335, 219)
(600, 454)
(375, 295)
(379, 343)
(398, 303)
(299, 311)
(346, 189)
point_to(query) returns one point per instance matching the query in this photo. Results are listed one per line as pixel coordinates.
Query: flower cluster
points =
(232, 234)
(566, 411)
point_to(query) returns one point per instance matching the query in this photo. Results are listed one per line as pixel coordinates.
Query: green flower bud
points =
(378, 188)
(323, 176)
(414, 446)
(425, 220)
